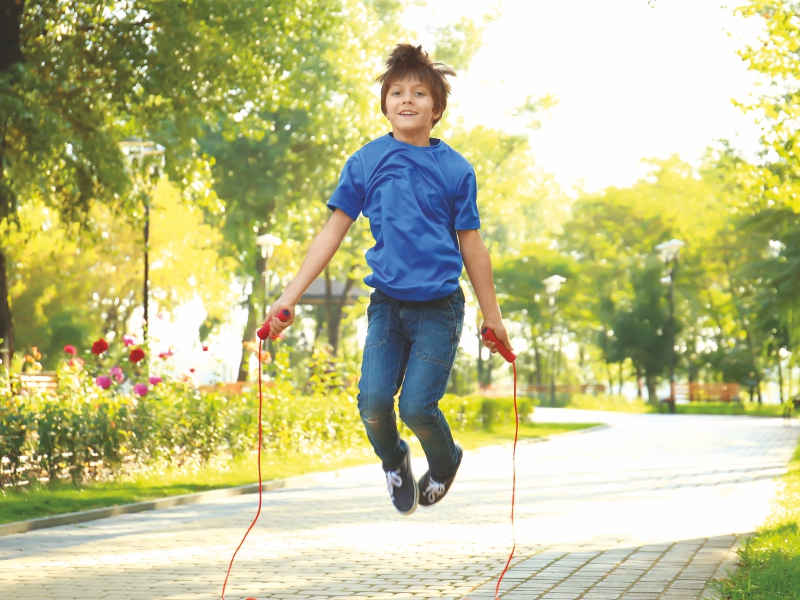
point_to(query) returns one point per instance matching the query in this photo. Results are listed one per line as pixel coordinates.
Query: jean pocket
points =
(439, 332)
(378, 318)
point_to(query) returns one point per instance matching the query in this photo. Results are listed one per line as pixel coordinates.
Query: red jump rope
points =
(488, 334)
(262, 334)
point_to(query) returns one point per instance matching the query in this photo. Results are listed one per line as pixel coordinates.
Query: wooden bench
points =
(707, 392)
(38, 381)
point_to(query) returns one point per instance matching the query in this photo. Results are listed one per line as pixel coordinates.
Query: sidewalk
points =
(646, 509)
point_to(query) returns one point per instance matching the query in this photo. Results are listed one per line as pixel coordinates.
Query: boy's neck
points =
(422, 138)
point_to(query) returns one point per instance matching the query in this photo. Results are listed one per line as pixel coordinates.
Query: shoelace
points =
(434, 490)
(393, 480)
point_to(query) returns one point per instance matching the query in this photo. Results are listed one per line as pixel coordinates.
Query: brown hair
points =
(407, 61)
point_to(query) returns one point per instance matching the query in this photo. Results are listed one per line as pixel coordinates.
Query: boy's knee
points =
(416, 416)
(375, 405)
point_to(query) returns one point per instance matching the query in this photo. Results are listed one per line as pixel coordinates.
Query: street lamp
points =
(146, 161)
(551, 286)
(669, 252)
(267, 243)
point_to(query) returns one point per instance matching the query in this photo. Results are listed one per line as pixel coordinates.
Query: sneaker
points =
(402, 487)
(432, 490)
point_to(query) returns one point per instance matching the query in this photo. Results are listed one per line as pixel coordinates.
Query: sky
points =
(634, 81)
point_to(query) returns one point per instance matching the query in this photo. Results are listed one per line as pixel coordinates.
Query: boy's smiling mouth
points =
(407, 113)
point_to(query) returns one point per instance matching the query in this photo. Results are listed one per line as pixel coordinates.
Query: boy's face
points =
(409, 108)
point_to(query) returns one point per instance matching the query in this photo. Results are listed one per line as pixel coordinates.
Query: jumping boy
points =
(420, 198)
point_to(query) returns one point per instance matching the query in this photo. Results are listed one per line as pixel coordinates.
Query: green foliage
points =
(466, 413)
(610, 403)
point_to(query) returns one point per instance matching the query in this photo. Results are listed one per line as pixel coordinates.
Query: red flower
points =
(191, 370)
(99, 347)
(205, 348)
(137, 354)
(70, 349)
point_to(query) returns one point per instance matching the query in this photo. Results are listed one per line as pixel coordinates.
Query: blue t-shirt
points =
(416, 198)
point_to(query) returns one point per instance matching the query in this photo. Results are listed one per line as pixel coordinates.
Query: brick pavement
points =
(646, 510)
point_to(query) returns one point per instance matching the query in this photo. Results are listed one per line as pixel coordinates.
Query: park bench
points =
(707, 392)
(39, 381)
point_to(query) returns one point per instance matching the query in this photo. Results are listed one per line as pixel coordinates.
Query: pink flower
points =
(99, 347)
(103, 381)
(76, 362)
(70, 349)
(140, 389)
(128, 340)
(166, 355)
(155, 380)
(117, 374)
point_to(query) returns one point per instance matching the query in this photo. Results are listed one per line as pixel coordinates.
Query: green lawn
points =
(770, 561)
(637, 405)
(42, 501)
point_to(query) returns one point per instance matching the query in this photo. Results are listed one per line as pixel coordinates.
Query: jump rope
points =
(487, 334)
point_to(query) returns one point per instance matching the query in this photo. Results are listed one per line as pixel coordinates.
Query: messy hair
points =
(407, 61)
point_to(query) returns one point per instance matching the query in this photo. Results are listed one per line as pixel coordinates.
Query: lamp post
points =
(669, 252)
(267, 243)
(146, 161)
(551, 286)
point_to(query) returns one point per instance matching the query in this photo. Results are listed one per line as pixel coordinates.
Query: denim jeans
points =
(413, 345)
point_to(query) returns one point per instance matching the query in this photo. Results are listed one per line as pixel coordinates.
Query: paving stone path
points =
(646, 509)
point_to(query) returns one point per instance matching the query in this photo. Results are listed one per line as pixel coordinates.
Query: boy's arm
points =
(318, 256)
(479, 268)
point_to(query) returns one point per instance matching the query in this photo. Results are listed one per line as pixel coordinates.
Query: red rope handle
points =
(260, 491)
(513, 486)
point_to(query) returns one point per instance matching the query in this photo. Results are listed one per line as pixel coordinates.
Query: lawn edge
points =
(727, 567)
(251, 488)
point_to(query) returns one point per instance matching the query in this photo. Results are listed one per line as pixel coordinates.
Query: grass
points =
(770, 561)
(59, 498)
(637, 405)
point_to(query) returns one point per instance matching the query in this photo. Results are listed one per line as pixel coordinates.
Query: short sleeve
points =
(349, 194)
(466, 203)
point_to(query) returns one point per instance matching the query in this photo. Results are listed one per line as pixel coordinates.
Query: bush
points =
(608, 402)
(89, 432)
(475, 412)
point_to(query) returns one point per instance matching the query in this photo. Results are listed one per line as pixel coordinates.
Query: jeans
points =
(412, 344)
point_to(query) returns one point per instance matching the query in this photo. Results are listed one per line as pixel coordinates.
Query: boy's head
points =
(407, 62)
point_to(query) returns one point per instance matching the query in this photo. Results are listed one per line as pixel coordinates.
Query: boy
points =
(420, 198)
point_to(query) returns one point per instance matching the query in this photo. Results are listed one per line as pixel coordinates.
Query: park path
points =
(644, 509)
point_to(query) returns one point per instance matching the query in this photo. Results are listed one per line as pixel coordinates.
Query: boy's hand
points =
(276, 326)
(501, 333)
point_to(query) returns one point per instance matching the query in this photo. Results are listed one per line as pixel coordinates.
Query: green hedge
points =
(87, 433)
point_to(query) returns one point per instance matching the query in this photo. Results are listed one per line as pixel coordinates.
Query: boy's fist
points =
(499, 331)
(276, 325)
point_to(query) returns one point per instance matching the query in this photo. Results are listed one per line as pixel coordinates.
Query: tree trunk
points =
(248, 336)
(538, 357)
(10, 54)
(780, 375)
(638, 381)
(621, 374)
(6, 322)
(334, 310)
(650, 382)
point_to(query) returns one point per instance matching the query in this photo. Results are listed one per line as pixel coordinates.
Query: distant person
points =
(420, 197)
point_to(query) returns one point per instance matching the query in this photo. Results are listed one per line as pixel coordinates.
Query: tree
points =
(77, 77)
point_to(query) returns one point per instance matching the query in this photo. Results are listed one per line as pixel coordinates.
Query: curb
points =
(725, 569)
(171, 501)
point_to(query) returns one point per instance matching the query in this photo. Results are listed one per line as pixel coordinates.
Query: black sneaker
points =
(431, 490)
(402, 486)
